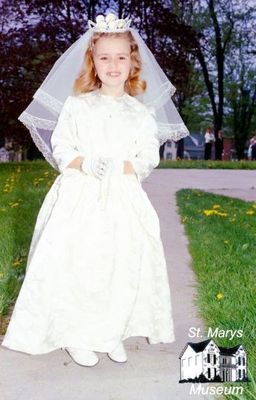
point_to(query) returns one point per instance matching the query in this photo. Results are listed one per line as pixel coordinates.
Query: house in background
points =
(205, 360)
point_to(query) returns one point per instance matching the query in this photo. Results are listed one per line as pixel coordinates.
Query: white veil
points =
(41, 115)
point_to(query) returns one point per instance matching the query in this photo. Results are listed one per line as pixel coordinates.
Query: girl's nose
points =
(113, 63)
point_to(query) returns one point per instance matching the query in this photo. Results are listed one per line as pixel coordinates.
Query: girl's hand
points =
(128, 168)
(76, 163)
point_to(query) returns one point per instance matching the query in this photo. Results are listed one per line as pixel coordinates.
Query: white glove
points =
(95, 166)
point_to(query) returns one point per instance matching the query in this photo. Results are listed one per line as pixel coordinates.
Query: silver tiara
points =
(109, 23)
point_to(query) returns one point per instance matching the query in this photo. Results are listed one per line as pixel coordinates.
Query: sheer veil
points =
(41, 115)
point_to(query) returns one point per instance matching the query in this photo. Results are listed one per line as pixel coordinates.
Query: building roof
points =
(197, 347)
(229, 351)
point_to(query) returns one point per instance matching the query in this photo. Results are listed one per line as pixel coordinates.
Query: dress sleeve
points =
(63, 137)
(147, 154)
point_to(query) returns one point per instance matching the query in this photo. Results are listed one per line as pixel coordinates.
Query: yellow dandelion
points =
(41, 179)
(254, 205)
(219, 296)
(16, 263)
(222, 214)
(216, 206)
(15, 205)
(46, 173)
(250, 212)
(208, 212)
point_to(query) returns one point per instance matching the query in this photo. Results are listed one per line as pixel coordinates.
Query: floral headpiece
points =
(110, 23)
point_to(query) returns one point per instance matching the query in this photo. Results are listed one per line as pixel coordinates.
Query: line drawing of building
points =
(205, 361)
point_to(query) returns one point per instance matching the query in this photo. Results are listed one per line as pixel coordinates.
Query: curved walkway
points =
(152, 371)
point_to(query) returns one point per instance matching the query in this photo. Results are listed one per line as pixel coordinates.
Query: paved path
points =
(152, 371)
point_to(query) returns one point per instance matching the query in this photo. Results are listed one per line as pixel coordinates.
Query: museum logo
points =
(205, 362)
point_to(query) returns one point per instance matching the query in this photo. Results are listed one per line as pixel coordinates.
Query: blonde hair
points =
(88, 80)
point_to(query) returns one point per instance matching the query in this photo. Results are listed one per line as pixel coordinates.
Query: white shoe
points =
(118, 354)
(82, 356)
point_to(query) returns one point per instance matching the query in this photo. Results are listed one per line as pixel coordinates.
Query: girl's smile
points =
(113, 74)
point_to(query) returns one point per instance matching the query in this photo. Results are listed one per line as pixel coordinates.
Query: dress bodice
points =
(107, 125)
(93, 125)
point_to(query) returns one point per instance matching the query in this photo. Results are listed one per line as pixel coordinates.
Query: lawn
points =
(222, 235)
(23, 187)
(207, 164)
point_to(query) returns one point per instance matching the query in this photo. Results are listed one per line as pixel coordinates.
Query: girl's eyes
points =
(120, 58)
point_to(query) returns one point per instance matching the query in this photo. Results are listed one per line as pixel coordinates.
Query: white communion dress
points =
(96, 271)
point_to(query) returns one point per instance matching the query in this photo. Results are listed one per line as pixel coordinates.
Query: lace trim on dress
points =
(109, 104)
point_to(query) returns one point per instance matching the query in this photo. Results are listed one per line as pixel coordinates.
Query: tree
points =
(213, 33)
(43, 30)
(241, 85)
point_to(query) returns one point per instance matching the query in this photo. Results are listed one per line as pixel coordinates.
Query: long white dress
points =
(96, 271)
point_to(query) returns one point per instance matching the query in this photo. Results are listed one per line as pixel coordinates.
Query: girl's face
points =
(112, 61)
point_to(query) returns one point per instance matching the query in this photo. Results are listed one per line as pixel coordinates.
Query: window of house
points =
(208, 358)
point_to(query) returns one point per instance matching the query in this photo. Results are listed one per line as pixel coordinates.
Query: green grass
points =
(209, 164)
(224, 261)
(23, 187)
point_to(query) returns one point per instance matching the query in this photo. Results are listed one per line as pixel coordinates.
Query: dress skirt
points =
(96, 271)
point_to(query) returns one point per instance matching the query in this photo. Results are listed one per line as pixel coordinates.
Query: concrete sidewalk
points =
(152, 371)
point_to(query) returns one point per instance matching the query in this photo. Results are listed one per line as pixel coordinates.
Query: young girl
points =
(96, 271)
